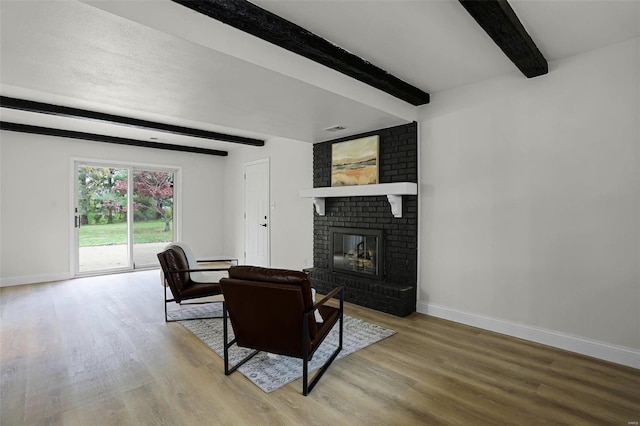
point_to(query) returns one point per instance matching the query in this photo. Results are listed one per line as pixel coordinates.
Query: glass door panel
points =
(101, 218)
(152, 215)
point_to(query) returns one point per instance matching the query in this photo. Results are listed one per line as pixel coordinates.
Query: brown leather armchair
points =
(185, 282)
(272, 310)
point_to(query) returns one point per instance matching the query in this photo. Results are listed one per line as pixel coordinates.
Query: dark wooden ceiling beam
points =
(38, 130)
(261, 23)
(45, 108)
(501, 23)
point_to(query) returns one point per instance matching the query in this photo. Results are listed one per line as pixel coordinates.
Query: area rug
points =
(269, 371)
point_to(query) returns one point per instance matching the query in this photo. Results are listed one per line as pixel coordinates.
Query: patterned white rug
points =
(270, 371)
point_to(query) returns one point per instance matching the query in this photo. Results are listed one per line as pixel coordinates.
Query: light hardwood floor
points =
(96, 351)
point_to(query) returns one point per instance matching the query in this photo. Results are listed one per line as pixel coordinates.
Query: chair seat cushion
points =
(200, 290)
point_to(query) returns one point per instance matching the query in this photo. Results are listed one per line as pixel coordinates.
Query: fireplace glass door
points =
(356, 251)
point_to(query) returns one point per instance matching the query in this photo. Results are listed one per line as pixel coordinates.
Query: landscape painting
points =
(355, 162)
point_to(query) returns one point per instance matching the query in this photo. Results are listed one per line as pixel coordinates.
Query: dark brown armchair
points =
(272, 310)
(185, 280)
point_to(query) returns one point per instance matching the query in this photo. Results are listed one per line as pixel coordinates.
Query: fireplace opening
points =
(356, 251)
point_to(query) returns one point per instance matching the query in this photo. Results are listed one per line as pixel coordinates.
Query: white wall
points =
(530, 206)
(36, 217)
(291, 222)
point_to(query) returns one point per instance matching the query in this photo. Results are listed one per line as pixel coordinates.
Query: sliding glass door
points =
(124, 215)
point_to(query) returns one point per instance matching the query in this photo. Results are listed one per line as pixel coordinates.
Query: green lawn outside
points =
(151, 231)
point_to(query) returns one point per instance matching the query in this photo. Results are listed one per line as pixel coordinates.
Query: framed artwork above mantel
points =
(355, 162)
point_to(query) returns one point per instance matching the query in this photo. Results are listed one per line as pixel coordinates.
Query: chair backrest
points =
(175, 259)
(191, 261)
(266, 308)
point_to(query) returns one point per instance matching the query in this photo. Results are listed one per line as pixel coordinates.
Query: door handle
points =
(263, 224)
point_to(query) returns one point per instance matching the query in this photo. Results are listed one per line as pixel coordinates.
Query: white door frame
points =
(268, 202)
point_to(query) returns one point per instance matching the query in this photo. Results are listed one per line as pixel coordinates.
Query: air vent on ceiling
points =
(334, 128)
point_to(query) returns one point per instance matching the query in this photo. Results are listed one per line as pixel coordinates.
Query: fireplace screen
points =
(356, 251)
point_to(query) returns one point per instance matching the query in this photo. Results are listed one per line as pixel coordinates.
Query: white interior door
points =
(256, 213)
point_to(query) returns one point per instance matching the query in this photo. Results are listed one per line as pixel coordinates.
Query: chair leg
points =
(305, 355)
(166, 316)
(228, 344)
(308, 387)
(341, 317)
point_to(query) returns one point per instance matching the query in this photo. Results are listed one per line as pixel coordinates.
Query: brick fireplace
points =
(375, 238)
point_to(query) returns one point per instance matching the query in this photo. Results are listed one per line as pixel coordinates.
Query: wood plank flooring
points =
(96, 351)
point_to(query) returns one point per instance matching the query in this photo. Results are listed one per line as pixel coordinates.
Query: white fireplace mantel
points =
(393, 191)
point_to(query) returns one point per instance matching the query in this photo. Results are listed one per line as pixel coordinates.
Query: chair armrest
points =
(208, 269)
(177, 271)
(216, 260)
(328, 297)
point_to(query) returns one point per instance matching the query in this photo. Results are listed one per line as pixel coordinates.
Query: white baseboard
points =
(593, 348)
(34, 279)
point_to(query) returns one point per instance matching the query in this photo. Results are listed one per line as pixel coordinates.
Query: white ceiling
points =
(160, 61)
(436, 45)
